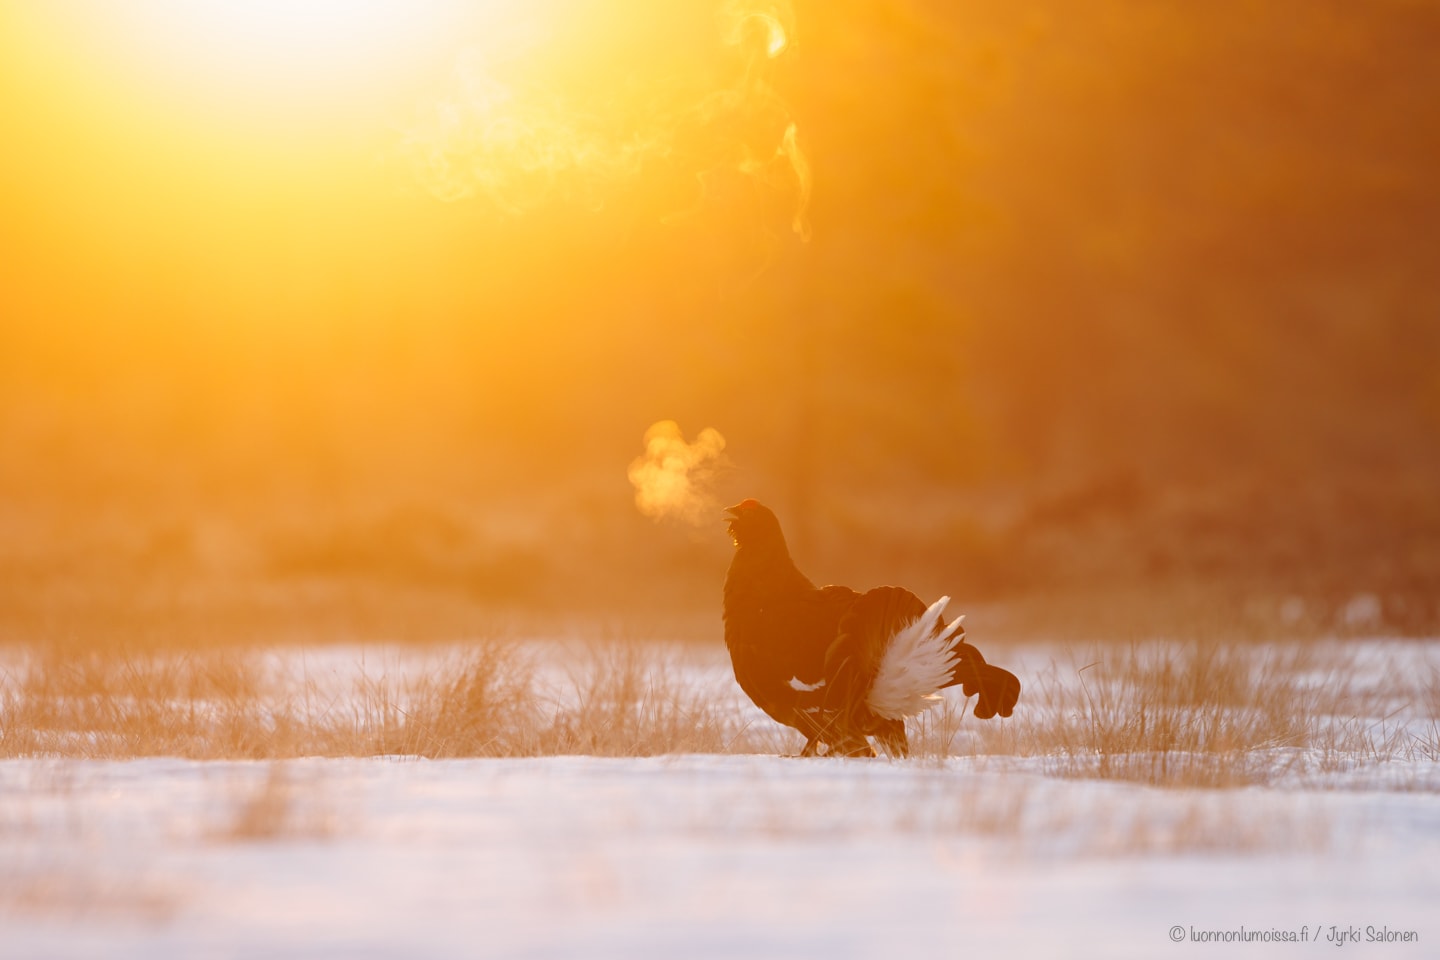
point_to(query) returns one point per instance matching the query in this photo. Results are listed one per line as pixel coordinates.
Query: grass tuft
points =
(1167, 714)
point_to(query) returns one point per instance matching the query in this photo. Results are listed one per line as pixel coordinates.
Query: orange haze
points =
(342, 319)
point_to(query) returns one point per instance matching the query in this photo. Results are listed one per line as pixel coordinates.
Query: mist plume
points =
(672, 478)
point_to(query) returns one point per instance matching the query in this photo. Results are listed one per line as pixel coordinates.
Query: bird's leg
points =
(852, 746)
(892, 738)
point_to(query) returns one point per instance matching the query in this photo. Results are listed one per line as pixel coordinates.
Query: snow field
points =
(1265, 792)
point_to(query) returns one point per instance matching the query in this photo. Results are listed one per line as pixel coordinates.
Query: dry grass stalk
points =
(1182, 715)
(1206, 715)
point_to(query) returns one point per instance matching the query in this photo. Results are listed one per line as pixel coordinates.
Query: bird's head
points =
(751, 523)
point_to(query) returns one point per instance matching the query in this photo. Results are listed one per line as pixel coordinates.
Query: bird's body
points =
(837, 665)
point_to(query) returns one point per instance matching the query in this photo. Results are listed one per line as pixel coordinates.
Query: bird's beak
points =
(731, 518)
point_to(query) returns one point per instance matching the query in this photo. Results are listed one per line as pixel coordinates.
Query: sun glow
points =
(519, 104)
(304, 27)
(272, 166)
(270, 57)
(313, 36)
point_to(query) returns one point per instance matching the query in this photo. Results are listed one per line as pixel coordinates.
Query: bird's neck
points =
(759, 573)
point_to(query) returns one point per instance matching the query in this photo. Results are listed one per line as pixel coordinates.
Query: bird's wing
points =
(779, 655)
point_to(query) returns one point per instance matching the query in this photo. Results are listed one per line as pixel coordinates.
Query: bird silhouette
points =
(838, 665)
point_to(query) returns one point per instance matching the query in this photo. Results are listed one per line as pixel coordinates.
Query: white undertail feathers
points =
(917, 662)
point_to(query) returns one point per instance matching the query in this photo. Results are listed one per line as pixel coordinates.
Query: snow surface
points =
(695, 856)
(690, 856)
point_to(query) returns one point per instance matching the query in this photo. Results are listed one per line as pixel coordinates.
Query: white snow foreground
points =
(688, 856)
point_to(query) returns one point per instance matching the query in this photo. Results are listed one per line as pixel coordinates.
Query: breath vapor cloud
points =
(672, 478)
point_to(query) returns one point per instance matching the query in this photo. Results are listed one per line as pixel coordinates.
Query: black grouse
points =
(837, 665)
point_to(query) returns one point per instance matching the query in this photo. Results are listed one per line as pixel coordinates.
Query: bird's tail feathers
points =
(918, 661)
